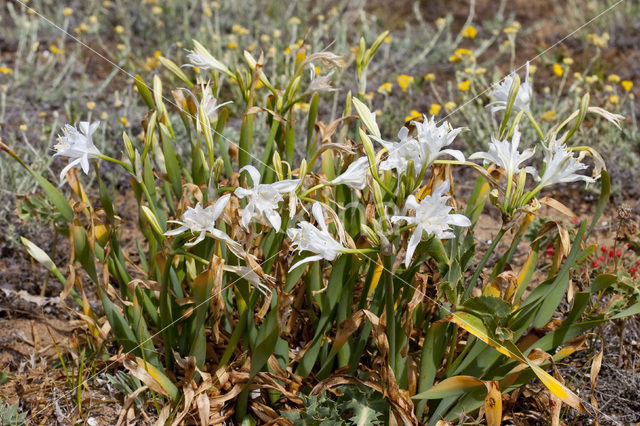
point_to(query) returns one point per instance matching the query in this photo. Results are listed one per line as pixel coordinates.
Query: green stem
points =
(113, 160)
(390, 309)
(480, 267)
(535, 124)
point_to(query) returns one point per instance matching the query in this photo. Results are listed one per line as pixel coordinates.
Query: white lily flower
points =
(264, 197)
(400, 153)
(505, 154)
(561, 165)
(320, 83)
(201, 221)
(432, 216)
(208, 104)
(355, 176)
(76, 144)
(433, 138)
(501, 94)
(307, 237)
(201, 58)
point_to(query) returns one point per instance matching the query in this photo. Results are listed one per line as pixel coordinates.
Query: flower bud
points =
(277, 166)
(153, 220)
(370, 234)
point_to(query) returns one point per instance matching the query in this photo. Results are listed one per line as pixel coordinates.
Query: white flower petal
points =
(253, 172)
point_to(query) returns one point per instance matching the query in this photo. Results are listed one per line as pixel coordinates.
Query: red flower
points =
(618, 253)
(595, 264)
(633, 270)
(603, 249)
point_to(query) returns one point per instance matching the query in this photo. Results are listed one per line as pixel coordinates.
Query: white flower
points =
(355, 176)
(246, 273)
(76, 144)
(201, 58)
(561, 165)
(208, 105)
(432, 138)
(505, 154)
(401, 153)
(201, 221)
(320, 83)
(432, 216)
(307, 237)
(501, 94)
(264, 197)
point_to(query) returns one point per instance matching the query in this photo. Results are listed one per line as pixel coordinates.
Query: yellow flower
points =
(608, 88)
(532, 69)
(449, 105)
(23, 127)
(277, 33)
(591, 79)
(239, 29)
(567, 61)
(265, 38)
(385, 88)
(469, 32)
(5, 70)
(107, 3)
(294, 20)
(301, 106)
(215, 5)
(54, 49)
(232, 45)
(599, 40)
(368, 96)
(404, 81)
(93, 19)
(119, 29)
(156, 10)
(510, 30)
(429, 77)
(440, 23)
(413, 114)
(558, 70)
(104, 115)
(614, 99)
(91, 105)
(461, 54)
(121, 46)
(627, 85)
(67, 11)
(549, 115)
(577, 76)
(435, 109)
(207, 10)
(481, 70)
(124, 121)
(387, 39)
(614, 78)
(464, 85)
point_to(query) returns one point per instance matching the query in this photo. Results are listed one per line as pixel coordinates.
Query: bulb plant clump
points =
(319, 254)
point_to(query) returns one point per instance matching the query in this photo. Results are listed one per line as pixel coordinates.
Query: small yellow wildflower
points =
(469, 32)
(599, 40)
(413, 114)
(294, 20)
(301, 106)
(42, 114)
(627, 85)
(608, 88)
(440, 23)
(67, 11)
(464, 85)
(532, 69)
(510, 30)
(232, 45)
(567, 61)
(378, 112)
(614, 78)
(239, 29)
(449, 105)
(104, 115)
(385, 88)
(55, 50)
(206, 9)
(435, 109)
(320, 17)
(368, 96)
(591, 79)
(404, 81)
(124, 121)
(5, 70)
(215, 5)
(119, 29)
(614, 99)
(558, 70)
(577, 76)
(91, 105)
(461, 54)
(480, 70)
(549, 115)
(156, 10)
(277, 33)
(429, 77)
(23, 127)
(265, 38)
(121, 46)
(106, 3)
(387, 39)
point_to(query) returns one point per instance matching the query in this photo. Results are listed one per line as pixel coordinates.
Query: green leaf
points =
(603, 282)
(605, 192)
